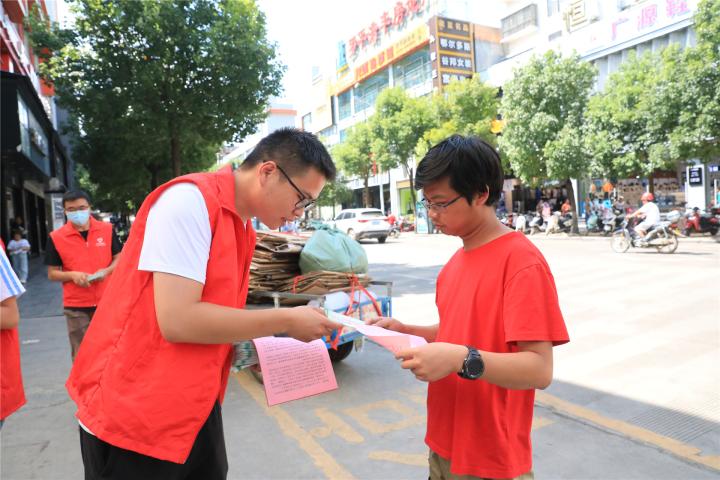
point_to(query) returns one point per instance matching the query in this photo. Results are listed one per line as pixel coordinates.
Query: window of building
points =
(307, 121)
(413, 70)
(368, 90)
(328, 132)
(344, 110)
(553, 7)
(519, 20)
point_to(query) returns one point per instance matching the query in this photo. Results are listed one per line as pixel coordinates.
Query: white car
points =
(361, 223)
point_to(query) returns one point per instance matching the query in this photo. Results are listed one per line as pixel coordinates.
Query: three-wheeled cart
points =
(359, 306)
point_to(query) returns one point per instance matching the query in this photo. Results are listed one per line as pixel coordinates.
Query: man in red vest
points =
(155, 362)
(81, 254)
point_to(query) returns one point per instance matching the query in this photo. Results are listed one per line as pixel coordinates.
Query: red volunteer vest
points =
(79, 255)
(133, 388)
(12, 394)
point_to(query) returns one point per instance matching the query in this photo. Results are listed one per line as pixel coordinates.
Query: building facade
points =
(604, 33)
(36, 167)
(423, 45)
(418, 45)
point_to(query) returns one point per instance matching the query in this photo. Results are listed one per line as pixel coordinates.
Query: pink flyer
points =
(293, 369)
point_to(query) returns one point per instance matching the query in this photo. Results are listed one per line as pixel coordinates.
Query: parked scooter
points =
(612, 221)
(661, 237)
(558, 223)
(593, 222)
(699, 222)
(537, 224)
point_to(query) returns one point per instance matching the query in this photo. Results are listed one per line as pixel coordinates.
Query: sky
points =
(307, 33)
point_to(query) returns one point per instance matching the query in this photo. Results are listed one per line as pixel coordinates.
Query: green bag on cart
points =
(332, 250)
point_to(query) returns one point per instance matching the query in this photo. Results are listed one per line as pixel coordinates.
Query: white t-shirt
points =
(17, 246)
(10, 285)
(652, 213)
(177, 234)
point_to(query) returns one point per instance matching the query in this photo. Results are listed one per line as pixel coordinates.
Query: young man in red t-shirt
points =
(499, 319)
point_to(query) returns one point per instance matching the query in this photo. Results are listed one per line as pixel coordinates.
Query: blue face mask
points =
(79, 217)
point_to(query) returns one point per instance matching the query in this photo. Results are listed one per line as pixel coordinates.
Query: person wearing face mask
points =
(81, 254)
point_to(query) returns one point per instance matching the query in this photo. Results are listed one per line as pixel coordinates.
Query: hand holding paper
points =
(433, 361)
(393, 341)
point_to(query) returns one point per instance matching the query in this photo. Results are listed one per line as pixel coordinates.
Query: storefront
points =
(34, 162)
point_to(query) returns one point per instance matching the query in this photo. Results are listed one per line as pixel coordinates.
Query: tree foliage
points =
(465, 107)
(544, 106)
(397, 126)
(697, 133)
(355, 155)
(630, 121)
(156, 86)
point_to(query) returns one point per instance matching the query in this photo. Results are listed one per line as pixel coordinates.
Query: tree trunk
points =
(573, 204)
(651, 182)
(154, 180)
(175, 154)
(366, 192)
(413, 196)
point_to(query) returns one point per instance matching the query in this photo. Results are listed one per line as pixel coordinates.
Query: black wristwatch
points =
(473, 366)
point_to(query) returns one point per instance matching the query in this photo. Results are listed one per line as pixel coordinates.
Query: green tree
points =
(544, 105)
(398, 125)
(697, 134)
(156, 86)
(465, 107)
(334, 193)
(629, 123)
(355, 156)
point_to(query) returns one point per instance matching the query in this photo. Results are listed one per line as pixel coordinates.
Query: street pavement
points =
(636, 393)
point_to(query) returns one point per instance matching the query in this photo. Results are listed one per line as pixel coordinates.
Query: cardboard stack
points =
(274, 268)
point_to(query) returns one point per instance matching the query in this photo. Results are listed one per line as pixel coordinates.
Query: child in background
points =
(18, 249)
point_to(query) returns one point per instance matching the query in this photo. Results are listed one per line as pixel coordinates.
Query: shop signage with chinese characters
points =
(406, 45)
(396, 19)
(453, 51)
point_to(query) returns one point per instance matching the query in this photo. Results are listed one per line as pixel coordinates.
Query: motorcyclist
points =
(650, 214)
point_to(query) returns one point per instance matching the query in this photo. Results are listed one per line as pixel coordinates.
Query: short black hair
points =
(74, 195)
(472, 165)
(294, 150)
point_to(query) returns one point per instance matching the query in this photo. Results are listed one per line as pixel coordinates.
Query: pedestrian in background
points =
(81, 254)
(493, 344)
(12, 393)
(18, 225)
(18, 249)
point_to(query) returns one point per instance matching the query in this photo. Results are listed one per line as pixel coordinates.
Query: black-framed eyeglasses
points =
(439, 207)
(305, 202)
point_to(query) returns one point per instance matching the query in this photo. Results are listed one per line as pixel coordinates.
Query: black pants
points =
(207, 460)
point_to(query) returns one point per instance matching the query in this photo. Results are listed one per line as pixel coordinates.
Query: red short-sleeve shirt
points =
(490, 298)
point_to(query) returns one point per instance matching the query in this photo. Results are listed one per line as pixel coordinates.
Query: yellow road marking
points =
(290, 428)
(670, 445)
(540, 422)
(404, 458)
(361, 415)
(336, 425)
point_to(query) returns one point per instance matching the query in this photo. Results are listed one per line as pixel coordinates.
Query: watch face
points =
(475, 367)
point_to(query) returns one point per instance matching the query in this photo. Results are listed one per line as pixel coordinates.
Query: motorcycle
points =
(662, 237)
(612, 221)
(537, 224)
(558, 223)
(698, 222)
(394, 231)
